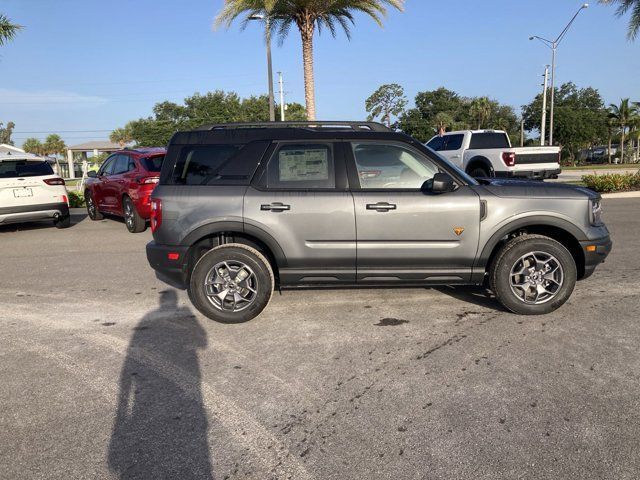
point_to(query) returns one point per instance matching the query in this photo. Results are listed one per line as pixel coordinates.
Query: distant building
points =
(76, 164)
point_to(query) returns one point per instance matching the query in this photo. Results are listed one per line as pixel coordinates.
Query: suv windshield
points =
(152, 164)
(24, 168)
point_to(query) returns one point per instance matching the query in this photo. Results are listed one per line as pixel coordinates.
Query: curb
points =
(622, 195)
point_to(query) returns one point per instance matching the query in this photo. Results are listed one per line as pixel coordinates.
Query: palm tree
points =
(307, 16)
(121, 136)
(622, 116)
(480, 110)
(623, 7)
(8, 30)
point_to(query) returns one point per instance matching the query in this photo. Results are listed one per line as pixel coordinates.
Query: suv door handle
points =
(381, 206)
(275, 207)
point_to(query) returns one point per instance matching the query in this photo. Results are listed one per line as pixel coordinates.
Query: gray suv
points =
(243, 209)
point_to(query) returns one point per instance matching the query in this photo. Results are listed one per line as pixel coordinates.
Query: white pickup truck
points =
(488, 153)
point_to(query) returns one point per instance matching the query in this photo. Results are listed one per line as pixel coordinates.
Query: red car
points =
(123, 185)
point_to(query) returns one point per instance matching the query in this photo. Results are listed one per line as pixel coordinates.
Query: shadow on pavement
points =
(478, 296)
(160, 429)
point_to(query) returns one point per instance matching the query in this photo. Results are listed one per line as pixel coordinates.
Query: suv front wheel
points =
(231, 283)
(533, 275)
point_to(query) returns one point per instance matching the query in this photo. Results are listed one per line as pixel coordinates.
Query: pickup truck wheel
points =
(92, 208)
(231, 283)
(479, 172)
(533, 275)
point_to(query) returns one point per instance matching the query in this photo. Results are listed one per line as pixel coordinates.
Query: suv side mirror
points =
(92, 174)
(440, 183)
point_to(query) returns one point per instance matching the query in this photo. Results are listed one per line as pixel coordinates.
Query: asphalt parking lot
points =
(107, 373)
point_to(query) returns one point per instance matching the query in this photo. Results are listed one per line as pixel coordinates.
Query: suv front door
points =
(302, 201)
(406, 235)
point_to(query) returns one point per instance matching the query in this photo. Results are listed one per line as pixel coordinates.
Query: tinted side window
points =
(453, 142)
(302, 166)
(121, 164)
(389, 166)
(436, 143)
(199, 165)
(489, 140)
(107, 166)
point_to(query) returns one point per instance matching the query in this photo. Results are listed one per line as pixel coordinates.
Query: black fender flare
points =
(484, 161)
(535, 220)
(213, 228)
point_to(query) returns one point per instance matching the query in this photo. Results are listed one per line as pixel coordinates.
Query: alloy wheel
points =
(231, 286)
(536, 278)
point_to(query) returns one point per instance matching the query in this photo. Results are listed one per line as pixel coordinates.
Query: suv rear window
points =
(24, 168)
(480, 141)
(152, 164)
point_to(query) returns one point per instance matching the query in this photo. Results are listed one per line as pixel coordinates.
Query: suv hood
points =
(513, 188)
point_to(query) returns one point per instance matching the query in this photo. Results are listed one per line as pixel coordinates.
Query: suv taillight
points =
(509, 159)
(156, 214)
(147, 180)
(54, 181)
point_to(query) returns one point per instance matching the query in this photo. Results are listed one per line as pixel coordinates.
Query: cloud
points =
(12, 99)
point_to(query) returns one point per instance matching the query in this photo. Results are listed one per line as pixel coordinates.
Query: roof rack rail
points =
(311, 125)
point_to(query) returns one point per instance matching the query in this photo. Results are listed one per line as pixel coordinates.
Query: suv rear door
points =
(22, 183)
(301, 199)
(403, 234)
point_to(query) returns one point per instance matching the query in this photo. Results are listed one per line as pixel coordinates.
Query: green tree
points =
(121, 136)
(33, 145)
(54, 145)
(480, 111)
(307, 16)
(625, 6)
(580, 118)
(623, 115)
(8, 30)
(387, 101)
(5, 133)
(198, 109)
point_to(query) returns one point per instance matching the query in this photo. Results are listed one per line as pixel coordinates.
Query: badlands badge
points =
(458, 230)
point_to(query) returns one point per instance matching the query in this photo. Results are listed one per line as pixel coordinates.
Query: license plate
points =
(22, 192)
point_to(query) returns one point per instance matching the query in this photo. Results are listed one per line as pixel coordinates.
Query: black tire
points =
(132, 219)
(512, 253)
(63, 222)
(92, 208)
(261, 278)
(479, 172)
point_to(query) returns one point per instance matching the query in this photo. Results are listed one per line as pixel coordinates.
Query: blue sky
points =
(82, 66)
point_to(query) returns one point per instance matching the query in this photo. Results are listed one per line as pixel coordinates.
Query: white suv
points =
(30, 191)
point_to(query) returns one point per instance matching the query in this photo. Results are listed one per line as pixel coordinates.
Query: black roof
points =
(251, 132)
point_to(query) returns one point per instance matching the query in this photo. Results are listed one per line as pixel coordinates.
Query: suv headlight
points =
(595, 212)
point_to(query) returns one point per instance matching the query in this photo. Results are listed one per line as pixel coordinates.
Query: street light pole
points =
(272, 108)
(553, 45)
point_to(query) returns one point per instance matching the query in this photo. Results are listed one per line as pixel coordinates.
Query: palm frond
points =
(8, 30)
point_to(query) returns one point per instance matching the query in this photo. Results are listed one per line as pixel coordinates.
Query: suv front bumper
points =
(169, 269)
(595, 252)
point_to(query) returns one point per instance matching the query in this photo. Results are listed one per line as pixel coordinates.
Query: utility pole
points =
(267, 22)
(553, 45)
(543, 128)
(522, 133)
(281, 83)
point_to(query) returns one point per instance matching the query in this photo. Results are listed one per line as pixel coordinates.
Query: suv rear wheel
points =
(533, 275)
(92, 208)
(135, 223)
(231, 283)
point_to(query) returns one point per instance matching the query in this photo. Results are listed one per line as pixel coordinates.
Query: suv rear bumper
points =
(595, 257)
(29, 213)
(172, 272)
(532, 174)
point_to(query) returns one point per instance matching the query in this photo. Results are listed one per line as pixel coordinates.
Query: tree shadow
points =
(478, 296)
(160, 429)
